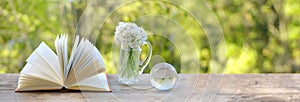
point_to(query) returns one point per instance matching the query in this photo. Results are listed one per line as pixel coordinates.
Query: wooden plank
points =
(244, 87)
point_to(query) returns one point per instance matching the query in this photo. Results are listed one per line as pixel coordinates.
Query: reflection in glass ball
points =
(163, 76)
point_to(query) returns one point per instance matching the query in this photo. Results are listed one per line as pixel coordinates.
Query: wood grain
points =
(204, 87)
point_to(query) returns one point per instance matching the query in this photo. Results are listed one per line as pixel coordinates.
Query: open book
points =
(45, 70)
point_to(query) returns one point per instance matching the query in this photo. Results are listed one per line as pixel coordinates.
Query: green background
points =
(261, 36)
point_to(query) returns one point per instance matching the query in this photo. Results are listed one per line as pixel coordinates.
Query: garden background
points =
(261, 36)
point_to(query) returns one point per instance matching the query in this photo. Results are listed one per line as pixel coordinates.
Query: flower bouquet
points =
(130, 37)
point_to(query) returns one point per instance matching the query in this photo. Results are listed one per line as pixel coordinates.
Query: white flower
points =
(130, 34)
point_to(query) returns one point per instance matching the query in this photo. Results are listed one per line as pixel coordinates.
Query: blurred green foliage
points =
(262, 36)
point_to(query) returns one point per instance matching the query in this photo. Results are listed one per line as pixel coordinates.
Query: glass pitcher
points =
(131, 67)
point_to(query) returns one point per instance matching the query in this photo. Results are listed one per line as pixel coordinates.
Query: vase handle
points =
(145, 62)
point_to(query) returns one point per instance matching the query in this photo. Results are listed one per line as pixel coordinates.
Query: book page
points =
(73, 56)
(87, 62)
(32, 83)
(41, 71)
(61, 45)
(43, 63)
(65, 53)
(76, 56)
(95, 83)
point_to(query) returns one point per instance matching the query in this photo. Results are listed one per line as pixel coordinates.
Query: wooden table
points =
(205, 87)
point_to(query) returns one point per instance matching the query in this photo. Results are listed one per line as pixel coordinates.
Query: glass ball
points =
(163, 76)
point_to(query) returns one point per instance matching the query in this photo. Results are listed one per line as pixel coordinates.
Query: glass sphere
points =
(163, 76)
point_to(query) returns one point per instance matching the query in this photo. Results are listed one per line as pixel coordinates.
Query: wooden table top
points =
(189, 87)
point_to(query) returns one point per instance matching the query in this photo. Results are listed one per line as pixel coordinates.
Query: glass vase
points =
(131, 67)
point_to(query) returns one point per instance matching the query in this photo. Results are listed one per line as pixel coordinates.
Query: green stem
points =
(129, 65)
(161, 81)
